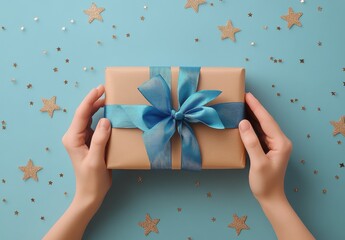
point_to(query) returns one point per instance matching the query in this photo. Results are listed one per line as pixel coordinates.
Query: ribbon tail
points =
(157, 143)
(190, 151)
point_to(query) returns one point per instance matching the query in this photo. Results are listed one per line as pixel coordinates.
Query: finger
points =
(97, 105)
(251, 141)
(99, 139)
(267, 122)
(83, 112)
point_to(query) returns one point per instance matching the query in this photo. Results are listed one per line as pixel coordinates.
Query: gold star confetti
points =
(49, 106)
(94, 13)
(239, 224)
(209, 194)
(292, 18)
(194, 4)
(139, 179)
(30, 171)
(228, 31)
(339, 127)
(149, 225)
(142, 18)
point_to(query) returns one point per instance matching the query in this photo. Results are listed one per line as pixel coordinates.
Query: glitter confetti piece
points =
(228, 31)
(194, 4)
(94, 13)
(49, 106)
(239, 224)
(149, 225)
(292, 18)
(339, 127)
(30, 171)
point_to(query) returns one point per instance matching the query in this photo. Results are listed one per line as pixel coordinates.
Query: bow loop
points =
(199, 99)
(157, 92)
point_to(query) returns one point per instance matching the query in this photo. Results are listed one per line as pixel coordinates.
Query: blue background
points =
(166, 37)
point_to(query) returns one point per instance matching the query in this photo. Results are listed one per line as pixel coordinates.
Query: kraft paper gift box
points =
(219, 148)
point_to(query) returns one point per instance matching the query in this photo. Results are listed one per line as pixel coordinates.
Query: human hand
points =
(267, 171)
(86, 149)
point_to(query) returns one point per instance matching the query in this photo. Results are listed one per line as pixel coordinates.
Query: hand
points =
(267, 171)
(86, 149)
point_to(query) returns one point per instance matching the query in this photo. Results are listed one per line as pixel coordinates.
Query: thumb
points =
(100, 138)
(250, 141)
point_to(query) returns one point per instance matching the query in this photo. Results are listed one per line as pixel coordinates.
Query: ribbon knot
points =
(177, 115)
(159, 120)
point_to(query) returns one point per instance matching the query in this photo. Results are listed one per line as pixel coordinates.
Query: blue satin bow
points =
(159, 121)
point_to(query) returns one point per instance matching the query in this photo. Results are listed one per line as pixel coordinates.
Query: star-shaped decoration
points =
(30, 171)
(58, 49)
(209, 194)
(228, 31)
(16, 213)
(49, 106)
(50, 182)
(292, 18)
(341, 165)
(94, 13)
(61, 174)
(213, 219)
(197, 183)
(149, 225)
(339, 127)
(194, 4)
(32, 200)
(239, 224)
(142, 18)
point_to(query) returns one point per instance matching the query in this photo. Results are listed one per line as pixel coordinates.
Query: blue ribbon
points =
(159, 120)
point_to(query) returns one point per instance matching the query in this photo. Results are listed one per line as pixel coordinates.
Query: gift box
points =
(174, 117)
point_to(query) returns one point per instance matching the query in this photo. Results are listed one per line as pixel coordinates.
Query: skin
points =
(86, 149)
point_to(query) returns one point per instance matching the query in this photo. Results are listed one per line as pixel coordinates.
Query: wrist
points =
(86, 204)
(273, 202)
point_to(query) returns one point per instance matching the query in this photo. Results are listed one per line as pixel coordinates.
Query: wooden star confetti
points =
(149, 225)
(30, 171)
(194, 4)
(339, 127)
(239, 224)
(292, 18)
(49, 106)
(228, 31)
(94, 13)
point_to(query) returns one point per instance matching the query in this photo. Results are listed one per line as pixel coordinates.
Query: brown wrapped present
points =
(219, 149)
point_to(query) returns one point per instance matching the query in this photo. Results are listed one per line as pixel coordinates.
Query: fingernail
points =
(244, 126)
(104, 124)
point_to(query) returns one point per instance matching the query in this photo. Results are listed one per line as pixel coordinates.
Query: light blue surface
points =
(166, 37)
